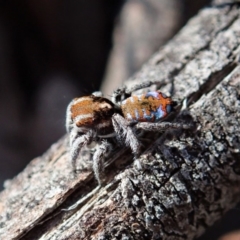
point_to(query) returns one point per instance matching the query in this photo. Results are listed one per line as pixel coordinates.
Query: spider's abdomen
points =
(149, 107)
(92, 112)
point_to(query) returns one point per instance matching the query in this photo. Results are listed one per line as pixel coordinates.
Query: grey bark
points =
(189, 179)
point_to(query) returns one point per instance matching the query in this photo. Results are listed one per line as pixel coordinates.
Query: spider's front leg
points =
(77, 141)
(120, 95)
(125, 133)
(123, 92)
(102, 150)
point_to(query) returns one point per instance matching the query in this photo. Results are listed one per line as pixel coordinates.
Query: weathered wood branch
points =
(189, 178)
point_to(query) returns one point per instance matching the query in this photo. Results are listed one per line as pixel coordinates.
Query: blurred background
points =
(52, 51)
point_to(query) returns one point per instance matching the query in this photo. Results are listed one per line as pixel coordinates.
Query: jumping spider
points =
(95, 118)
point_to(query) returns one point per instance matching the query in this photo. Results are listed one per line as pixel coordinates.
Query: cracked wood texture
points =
(189, 179)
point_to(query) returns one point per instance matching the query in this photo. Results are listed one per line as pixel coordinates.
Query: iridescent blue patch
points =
(129, 116)
(159, 114)
(169, 108)
(153, 94)
(156, 115)
(148, 117)
(164, 95)
(136, 114)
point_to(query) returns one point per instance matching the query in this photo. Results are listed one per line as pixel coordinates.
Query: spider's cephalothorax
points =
(95, 118)
(91, 112)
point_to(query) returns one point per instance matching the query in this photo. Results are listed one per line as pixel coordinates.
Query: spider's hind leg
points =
(162, 126)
